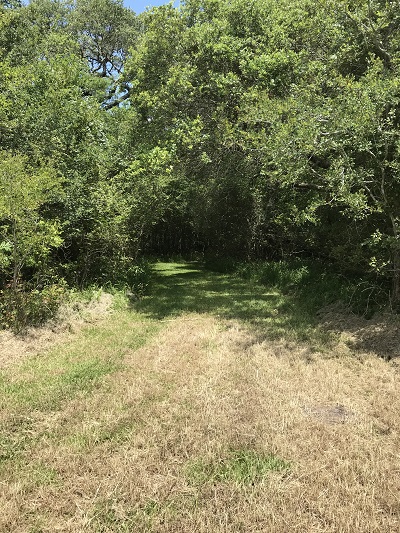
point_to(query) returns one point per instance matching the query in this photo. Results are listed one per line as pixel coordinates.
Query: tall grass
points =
(313, 284)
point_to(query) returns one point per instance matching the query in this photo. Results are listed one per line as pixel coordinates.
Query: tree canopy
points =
(255, 129)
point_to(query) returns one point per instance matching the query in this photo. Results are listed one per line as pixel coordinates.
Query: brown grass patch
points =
(119, 459)
(379, 335)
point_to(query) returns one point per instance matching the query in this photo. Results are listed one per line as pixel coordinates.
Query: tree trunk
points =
(396, 280)
(395, 296)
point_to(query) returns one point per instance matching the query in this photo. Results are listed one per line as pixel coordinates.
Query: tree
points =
(104, 29)
(335, 139)
(26, 237)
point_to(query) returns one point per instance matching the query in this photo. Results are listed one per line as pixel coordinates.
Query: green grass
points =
(39, 474)
(44, 381)
(114, 434)
(274, 313)
(45, 391)
(310, 284)
(244, 467)
(106, 517)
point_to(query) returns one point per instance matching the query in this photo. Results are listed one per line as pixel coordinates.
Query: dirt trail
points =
(208, 428)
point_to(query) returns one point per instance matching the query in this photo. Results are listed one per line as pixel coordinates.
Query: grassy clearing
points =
(186, 418)
(269, 312)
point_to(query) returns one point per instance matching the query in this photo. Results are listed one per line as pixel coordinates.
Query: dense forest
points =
(251, 129)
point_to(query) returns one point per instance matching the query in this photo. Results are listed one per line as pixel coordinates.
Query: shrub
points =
(29, 307)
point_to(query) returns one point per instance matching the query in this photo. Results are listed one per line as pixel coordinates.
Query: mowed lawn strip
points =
(187, 419)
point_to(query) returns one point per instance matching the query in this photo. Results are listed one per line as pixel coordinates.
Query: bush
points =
(127, 276)
(222, 265)
(138, 278)
(29, 307)
(280, 274)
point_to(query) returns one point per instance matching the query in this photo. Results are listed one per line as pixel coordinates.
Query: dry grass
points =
(71, 318)
(207, 428)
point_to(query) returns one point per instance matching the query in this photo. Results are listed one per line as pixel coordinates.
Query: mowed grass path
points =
(187, 288)
(212, 405)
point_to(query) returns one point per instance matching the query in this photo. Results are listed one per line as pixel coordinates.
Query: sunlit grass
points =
(165, 415)
(44, 381)
(178, 289)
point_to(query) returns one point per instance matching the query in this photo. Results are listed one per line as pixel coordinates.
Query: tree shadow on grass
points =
(188, 288)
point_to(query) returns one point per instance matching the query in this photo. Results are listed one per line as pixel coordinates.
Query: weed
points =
(29, 306)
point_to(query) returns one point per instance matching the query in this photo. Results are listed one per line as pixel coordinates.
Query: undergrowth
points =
(314, 285)
(29, 305)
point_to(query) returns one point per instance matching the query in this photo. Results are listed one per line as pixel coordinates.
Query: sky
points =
(140, 5)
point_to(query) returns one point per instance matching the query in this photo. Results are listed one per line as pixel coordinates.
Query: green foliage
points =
(29, 306)
(138, 278)
(135, 278)
(27, 240)
(261, 130)
(290, 127)
(280, 274)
